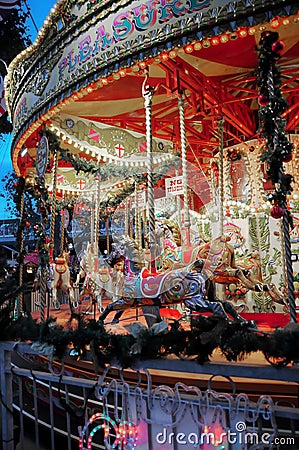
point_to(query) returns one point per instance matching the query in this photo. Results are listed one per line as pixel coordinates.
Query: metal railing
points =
(53, 410)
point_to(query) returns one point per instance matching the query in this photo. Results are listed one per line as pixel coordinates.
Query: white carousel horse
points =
(98, 281)
(62, 280)
(49, 281)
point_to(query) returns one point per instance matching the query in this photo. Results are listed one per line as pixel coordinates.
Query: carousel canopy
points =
(84, 76)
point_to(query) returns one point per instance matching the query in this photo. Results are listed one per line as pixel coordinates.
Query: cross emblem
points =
(81, 184)
(119, 150)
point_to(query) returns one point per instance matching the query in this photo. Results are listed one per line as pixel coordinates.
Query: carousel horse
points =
(167, 243)
(62, 280)
(98, 281)
(188, 285)
(221, 265)
(251, 262)
(220, 260)
(49, 281)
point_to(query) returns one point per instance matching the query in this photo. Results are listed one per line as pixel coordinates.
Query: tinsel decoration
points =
(272, 127)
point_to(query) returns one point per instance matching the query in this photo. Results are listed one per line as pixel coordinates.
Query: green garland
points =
(108, 172)
(40, 193)
(272, 127)
(235, 340)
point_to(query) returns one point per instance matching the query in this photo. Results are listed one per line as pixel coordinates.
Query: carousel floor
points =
(265, 321)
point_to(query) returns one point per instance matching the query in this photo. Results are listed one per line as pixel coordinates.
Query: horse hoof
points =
(252, 324)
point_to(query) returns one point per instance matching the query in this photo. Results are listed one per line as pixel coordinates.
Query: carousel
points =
(159, 141)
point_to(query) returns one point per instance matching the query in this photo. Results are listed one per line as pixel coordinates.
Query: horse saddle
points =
(151, 283)
(188, 255)
(60, 265)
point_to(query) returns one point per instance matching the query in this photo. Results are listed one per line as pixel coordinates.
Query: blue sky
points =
(39, 11)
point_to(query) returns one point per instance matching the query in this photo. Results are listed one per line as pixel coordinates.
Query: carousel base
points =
(264, 321)
(253, 376)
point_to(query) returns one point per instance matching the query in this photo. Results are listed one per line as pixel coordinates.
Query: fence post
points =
(6, 398)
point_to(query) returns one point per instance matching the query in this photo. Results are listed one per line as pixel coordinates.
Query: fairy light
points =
(164, 56)
(275, 23)
(224, 38)
(189, 48)
(215, 40)
(242, 33)
(142, 64)
(251, 30)
(197, 46)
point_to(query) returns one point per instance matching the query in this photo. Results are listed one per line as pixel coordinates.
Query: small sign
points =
(141, 199)
(174, 186)
(42, 156)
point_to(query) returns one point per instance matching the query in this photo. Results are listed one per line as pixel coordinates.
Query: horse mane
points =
(135, 252)
(175, 230)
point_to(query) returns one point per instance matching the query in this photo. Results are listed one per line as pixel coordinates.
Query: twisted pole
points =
(151, 312)
(148, 93)
(181, 106)
(62, 232)
(178, 204)
(137, 218)
(126, 217)
(221, 176)
(54, 202)
(289, 265)
(97, 214)
(20, 302)
(92, 223)
(43, 281)
(107, 236)
(278, 148)
(285, 217)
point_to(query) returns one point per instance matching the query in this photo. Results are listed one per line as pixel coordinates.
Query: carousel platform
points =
(252, 375)
(264, 321)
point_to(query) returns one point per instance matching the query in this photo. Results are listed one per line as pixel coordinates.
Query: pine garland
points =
(272, 127)
(109, 171)
(233, 339)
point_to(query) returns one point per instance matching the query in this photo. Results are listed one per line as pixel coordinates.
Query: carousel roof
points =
(100, 113)
(217, 79)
